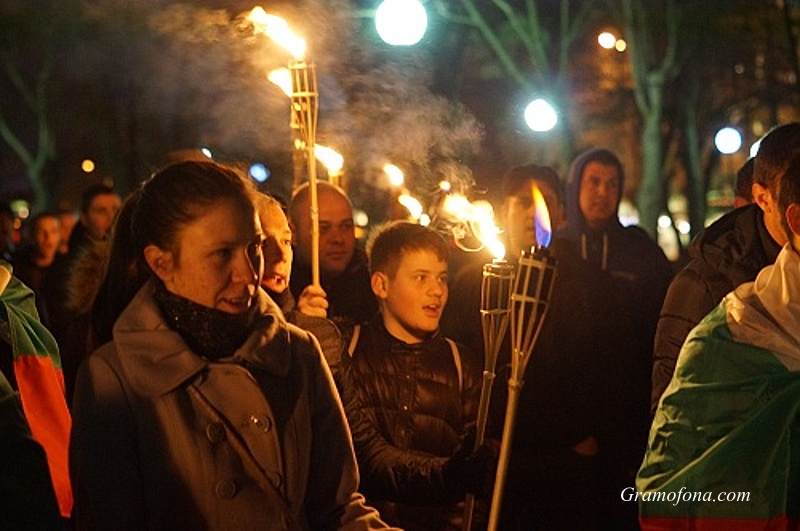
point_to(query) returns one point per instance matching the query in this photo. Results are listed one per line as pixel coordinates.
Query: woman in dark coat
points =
(205, 410)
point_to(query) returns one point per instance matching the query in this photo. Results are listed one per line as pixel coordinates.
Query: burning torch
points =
(530, 300)
(304, 109)
(496, 282)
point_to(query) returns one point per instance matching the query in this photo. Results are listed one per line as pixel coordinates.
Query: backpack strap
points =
(457, 362)
(351, 347)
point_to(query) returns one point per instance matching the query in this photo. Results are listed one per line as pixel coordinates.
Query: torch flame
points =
(278, 30)
(395, 174)
(412, 204)
(329, 158)
(283, 78)
(479, 216)
(541, 218)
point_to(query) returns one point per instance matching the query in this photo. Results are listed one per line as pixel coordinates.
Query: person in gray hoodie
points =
(640, 274)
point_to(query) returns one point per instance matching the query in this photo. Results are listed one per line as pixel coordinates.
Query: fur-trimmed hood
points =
(85, 276)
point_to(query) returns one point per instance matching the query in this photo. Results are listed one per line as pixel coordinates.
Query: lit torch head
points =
(278, 30)
(533, 287)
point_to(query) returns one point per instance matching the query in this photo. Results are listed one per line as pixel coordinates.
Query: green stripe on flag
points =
(727, 423)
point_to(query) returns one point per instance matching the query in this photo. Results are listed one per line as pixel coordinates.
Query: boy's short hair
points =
(790, 188)
(390, 242)
(775, 152)
(744, 180)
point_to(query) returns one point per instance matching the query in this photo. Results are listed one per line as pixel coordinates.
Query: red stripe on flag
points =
(776, 523)
(41, 391)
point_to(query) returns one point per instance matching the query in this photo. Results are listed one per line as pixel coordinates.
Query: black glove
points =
(468, 471)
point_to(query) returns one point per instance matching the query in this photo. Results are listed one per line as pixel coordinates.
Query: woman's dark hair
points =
(154, 214)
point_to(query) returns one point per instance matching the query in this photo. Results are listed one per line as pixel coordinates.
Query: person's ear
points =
(793, 220)
(762, 197)
(380, 285)
(159, 260)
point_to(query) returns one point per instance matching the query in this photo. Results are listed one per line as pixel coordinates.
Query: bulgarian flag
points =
(724, 446)
(40, 382)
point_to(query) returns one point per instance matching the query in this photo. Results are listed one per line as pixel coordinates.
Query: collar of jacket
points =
(156, 360)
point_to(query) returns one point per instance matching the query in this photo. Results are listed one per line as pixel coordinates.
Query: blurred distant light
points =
(259, 172)
(87, 165)
(664, 221)
(684, 227)
(540, 115)
(401, 22)
(424, 220)
(607, 40)
(728, 140)
(21, 208)
(754, 147)
(360, 218)
(207, 152)
(445, 186)
(620, 45)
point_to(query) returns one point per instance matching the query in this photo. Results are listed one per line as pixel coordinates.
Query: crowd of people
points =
(202, 378)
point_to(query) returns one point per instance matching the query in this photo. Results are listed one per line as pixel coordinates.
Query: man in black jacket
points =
(727, 253)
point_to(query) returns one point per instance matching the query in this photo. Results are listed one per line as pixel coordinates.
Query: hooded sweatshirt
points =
(640, 274)
(640, 270)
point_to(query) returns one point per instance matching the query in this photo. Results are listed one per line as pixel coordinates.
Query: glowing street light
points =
(540, 115)
(728, 140)
(401, 22)
(610, 41)
(606, 40)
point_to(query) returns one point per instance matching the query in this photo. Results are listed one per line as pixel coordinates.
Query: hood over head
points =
(576, 223)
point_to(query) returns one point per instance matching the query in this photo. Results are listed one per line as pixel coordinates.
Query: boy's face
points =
(413, 299)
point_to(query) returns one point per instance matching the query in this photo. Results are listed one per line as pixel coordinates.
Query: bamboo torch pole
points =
(305, 104)
(496, 282)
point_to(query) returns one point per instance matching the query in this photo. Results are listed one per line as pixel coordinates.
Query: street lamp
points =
(401, 22)
(728, 140)
(540, 115)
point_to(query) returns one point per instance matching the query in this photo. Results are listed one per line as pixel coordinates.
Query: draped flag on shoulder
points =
(40, 381)
(724, 447)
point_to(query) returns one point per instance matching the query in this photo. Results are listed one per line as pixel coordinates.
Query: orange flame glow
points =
(479, 217)
(283, 78)
(278, 30)
(330, 158)
(396, 177)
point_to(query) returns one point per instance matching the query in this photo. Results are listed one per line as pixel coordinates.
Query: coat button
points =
(262, 423)
(215, 432)
(277, 480)
(225, 489)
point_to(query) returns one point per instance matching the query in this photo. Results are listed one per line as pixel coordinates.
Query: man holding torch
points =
(347, 298)
(555, 469)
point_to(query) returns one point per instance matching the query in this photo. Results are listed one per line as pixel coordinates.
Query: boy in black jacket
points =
(409, 393)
